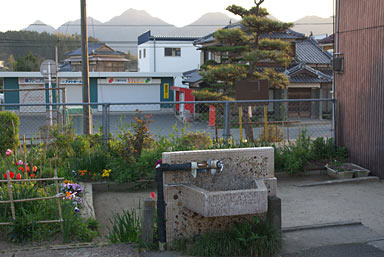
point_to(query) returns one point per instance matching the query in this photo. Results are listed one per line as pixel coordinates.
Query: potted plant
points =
(341, 170)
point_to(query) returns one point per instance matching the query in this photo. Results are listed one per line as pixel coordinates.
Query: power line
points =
(159, 25)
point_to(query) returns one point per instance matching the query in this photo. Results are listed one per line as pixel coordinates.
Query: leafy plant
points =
(125, 227)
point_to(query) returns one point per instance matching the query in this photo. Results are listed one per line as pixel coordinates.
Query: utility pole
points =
(87, 118)
(57, 81)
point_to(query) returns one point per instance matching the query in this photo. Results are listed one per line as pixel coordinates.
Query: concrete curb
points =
(320, 226)
(55, 247)
(121, 187)
(342, 181)
(88, 211)
(282, 175)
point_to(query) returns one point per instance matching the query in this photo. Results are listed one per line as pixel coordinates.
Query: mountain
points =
(314, 24)
(40, 27)
(206, 24)
(136, 17)
(73, 27)
(126, 27)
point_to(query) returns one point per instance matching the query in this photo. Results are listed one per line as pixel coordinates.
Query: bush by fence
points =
(9, 130)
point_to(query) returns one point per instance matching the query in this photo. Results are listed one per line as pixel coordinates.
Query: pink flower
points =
(153, 195)
(19, 162)
(8, 152)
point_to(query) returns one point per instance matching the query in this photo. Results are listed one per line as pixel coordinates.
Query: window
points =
(139, 54)
(172, 52)
(144, 53)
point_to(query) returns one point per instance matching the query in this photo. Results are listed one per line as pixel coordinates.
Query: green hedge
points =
(9, 131)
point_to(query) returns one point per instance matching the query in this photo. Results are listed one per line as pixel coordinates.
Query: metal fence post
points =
(333, 118)
(105, 122)
(226, 132)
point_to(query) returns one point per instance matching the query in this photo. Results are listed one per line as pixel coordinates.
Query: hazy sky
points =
(18, 14)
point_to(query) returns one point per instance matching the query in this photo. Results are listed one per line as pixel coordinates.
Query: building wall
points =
(189, 59)
(360, 89)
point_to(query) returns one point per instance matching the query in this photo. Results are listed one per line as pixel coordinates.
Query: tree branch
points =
(258, 5)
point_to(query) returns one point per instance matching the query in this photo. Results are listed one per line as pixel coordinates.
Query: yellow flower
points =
(106, 173)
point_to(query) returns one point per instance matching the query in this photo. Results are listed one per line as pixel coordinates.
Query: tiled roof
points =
(66, 67)
(147, 36)
(327, 40)
(92, 49)
(317, 76)
(308, 51)
(191, 76)
(288, 34)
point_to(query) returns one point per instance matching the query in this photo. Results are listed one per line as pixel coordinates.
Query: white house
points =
(167, 54)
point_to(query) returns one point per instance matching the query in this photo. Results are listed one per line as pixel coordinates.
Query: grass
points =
(126, 227)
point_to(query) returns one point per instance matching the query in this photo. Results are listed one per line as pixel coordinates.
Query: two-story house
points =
(102, 58)
(167, 54)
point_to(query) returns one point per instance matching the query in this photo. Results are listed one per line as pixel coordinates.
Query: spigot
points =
(205, 166)
(194, 169)
(215, 164)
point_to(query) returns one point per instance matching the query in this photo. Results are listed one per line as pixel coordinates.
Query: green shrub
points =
(75, 228)
(254, 238)
(9, 131)
(294, 157)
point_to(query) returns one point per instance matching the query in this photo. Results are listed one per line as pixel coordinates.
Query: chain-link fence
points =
(276, 120)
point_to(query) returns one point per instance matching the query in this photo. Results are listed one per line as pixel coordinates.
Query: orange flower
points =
(32, 175)
(82, 172)
(34, 169)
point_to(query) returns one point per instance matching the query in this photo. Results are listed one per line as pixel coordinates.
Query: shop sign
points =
(124, 81)
(31, 81)
(166, 90)
(65, 81)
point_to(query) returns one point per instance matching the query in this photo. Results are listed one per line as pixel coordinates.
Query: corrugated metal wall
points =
(360, 89)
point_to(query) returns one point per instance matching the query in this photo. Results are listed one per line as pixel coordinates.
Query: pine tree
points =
(246, 52)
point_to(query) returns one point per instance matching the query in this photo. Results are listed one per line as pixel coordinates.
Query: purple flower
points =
(77, 209)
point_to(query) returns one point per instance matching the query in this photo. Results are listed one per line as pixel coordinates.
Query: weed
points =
(125, 227)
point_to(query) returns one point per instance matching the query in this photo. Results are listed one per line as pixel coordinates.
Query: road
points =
(164, 124)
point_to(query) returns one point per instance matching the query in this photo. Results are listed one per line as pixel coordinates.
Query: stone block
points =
(274, 212)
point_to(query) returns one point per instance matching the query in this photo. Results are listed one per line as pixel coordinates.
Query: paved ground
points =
(334, 203)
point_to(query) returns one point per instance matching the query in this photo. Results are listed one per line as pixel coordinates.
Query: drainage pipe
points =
(160, 169)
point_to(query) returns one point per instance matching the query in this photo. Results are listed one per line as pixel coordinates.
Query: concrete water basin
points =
(245, 196)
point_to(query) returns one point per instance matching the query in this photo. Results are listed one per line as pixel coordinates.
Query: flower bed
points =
(342, 170)
(39, 209)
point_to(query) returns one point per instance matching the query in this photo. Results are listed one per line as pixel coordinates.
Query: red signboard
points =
(212, 115)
